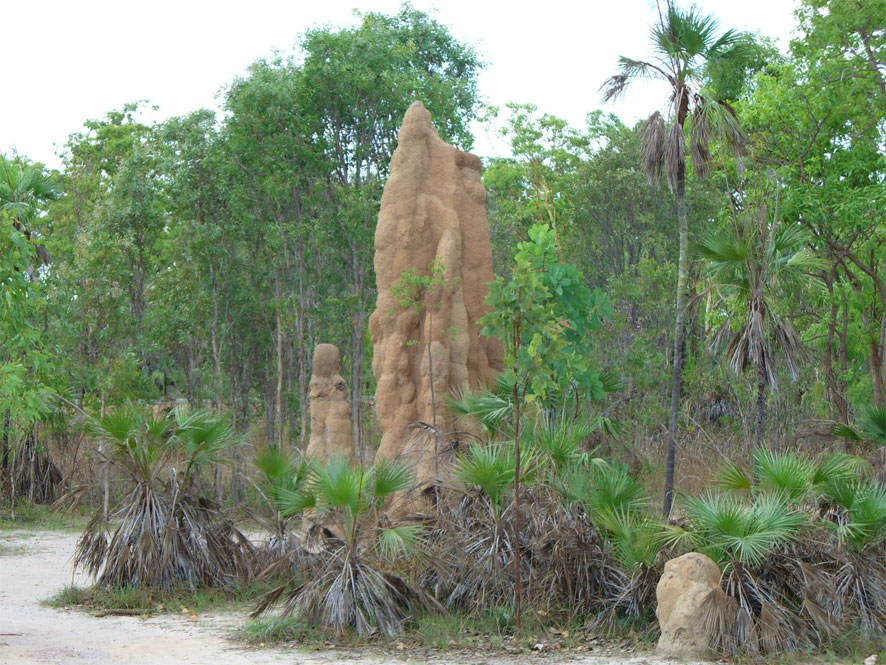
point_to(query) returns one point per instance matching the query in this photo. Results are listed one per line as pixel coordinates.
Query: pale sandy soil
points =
(34, 565)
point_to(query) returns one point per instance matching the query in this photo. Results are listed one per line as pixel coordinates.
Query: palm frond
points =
(402, 539)
(872, 424)
(652, 148)
(732, 477)
(674, 153)
(389, 477)
(839, 468)
(786, 474)
(629, 69)
(700, 134)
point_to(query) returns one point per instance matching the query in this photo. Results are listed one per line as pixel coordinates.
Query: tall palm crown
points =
(22, 191)
(757, 264)
(754, 264)
(684, 42)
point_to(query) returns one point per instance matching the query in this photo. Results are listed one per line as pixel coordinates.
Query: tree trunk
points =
(5, 444)
(760, 425)
(358, 355)
(302, 352)
(518, 582)
(877, 375)
(278, 388)
(679, 334)
(837, 405)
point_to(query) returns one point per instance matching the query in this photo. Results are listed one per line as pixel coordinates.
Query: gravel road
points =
(34, 565)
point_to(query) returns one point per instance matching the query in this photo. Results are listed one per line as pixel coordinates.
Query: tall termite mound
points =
(331, 434)
(433, 214)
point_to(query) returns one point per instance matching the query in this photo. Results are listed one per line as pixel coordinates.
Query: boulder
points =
(331, 431)
(689, 594)
(433, 214)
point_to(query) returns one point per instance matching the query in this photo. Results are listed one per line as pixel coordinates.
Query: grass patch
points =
(492, 632)
(29, 515)
(154, 600)
(853, 646)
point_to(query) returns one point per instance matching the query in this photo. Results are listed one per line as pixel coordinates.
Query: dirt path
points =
(34, 565)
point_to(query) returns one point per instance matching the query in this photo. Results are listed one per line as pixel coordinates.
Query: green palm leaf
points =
(389, 477)
(403, 539)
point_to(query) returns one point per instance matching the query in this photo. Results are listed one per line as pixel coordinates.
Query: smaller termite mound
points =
(331, 433)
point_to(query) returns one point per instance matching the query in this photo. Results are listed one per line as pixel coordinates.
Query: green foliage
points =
(870, 426)
(861, 524)
(731, 531)
(491, 467)
(545, 314)
(348, 589)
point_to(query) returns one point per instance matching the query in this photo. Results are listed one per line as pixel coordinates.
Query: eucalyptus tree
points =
(684, 42)
(817, 120)
(104, 240)
(759, 266)
(25, 364)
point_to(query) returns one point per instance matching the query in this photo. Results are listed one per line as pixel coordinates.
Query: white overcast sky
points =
(69, 60)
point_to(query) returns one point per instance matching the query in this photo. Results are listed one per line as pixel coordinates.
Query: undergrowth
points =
(156, 600)
(27, 515)
(493, 631)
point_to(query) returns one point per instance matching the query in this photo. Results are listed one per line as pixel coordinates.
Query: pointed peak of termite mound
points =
(433, 225)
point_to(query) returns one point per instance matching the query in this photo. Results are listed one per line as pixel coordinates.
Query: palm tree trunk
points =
(762, 385)
(679, 335)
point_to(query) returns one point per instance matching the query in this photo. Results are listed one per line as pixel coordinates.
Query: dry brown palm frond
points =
(347, 593)
(163, 545)
(789, 341)
(722, 336)
(564, 561)
(767, 618)
(818, 591)
(700, 136)
(719, 614)
(674, 156)
(652, 148)
(860, 581)
(614, 86)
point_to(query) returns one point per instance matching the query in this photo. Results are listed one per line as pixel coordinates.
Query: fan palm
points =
(348, 589)
(743, 538)
(617, 506)
(684, 41)
(869, 426)
(23, 191)
(280, 474)
(169, 534)
(858, 519)
(756, 265)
